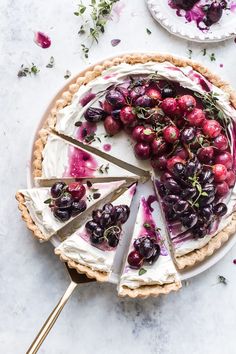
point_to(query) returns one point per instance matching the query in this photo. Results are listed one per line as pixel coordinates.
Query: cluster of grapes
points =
(146, 250)
(105, 225)
(67, 200)
(213, 12)
(190, 196)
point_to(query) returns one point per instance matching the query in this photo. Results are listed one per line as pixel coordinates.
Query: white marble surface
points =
(201, 318)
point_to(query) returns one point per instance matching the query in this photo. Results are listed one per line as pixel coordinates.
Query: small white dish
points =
(178, 25)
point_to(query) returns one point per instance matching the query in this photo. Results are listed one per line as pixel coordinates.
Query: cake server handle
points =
(51, 320)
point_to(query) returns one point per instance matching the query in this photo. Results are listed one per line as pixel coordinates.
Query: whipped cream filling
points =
(57, 156)
(41, 213)
(159, 273)
(81, 251)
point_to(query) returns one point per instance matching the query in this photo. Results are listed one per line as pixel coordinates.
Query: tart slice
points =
(148, 269)
(61, 159)
(92, 248)
(61, 208)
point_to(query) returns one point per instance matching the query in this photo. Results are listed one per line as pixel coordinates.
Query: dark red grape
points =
(113, 239)
(206, 176)
(96, 215)
(168, 91)
(107, 207)
(143, 101)
(178, 169)
(189, 220)
(135, 259)
(172, 186)
(105, 219)
(188, 135)
(77, 190)
(189, 193)
(171, 199)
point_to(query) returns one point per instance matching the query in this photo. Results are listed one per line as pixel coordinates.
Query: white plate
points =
(146, 190)
(166, 16)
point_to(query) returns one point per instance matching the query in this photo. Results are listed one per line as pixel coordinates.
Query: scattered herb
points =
(90, 137)
(142, 271)
(67, 74)
(115, 42)
(48, 201)
(24, 70)
(104, 169)
(89, 184)
(148, 31)
(96, 195)
(51, 63)
(78, 124)
(212, 57)
(190, 52)
(204, 51)
(222, 280)
(93, 25)
(147, 225)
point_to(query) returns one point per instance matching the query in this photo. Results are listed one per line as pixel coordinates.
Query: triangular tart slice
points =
(62, 208)
(60, 159)
(148, 268)
(92, 255)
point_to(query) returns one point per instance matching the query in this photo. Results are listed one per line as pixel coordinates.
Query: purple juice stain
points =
(89, 96)
(81, 164)
(147, 217)
(205, 85)
(150, 200)
(85, 129)
(107, 147)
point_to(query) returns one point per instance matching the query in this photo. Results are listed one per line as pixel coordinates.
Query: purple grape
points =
(137, 242)
(171, 199)
(96, 239)
(113, 238)
(64, 201)
(107, 207)
(220, 209)
(115, 98)
(206, 176)
(180, 207)
(189, 193)
(94, 115)
(185, 4)
(192, 168)
(96, 215)
(61, 214)
(171, 215)
(172, 186)
(188, 135)
(91, 226)
(206, 212)
(143, 101)
(136, 92)
(189, 220)
(105, 219)
(146, 248)
(155, 255)
(57, 189)
(168, 91)
(203, 201)
(214, 13)
(78, 207)
(209, 188)
(178, 169)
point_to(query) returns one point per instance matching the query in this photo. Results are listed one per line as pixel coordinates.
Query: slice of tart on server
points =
(60, 159)
(148, 268)
(92, 248)
(57, 210)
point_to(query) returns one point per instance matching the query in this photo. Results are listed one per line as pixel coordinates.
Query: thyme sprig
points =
(196, 184)
(25, 71)
(98, 12)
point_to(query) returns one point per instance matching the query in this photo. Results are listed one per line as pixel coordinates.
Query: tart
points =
(60, 159)
(162, 111)
(57, 210)
(92, 248)
(148, 268)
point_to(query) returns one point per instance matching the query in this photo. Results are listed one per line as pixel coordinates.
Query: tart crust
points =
(64, 98)
(27, 218)
(197, 256)
(149, 290)
(92, 274)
